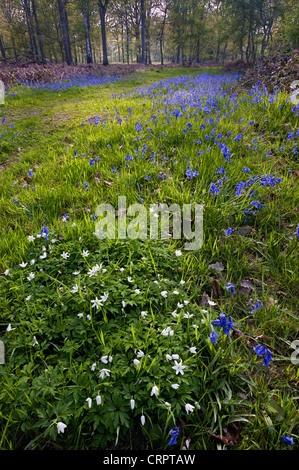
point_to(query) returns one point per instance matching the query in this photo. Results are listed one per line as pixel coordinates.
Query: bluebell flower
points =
(220, 170)
(173, 436)
(256, 307)
(45, 232)
(191, 174)
(230, 287)
(297, 232)
(30, 173)
(288, 440)
(229, 231)
(214, 189)
(262, 351)
(225, 324)
(213, 337)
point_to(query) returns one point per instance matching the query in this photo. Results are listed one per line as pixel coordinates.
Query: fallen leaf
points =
(247, 284)
(217, 266)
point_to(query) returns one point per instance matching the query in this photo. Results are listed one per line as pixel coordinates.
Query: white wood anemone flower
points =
(61, 427)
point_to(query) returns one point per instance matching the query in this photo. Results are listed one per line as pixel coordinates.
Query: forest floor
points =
(138, 343)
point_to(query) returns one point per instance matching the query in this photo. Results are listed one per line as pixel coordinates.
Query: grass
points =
(172, 137)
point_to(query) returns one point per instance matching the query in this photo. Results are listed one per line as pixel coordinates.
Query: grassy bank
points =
(123, 341)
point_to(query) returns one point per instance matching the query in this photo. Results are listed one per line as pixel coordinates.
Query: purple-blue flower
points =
(262, 351)
(173, 436)
(256, 307)
(213, 337)
(288, 440)
(225, 324)
(230, 287)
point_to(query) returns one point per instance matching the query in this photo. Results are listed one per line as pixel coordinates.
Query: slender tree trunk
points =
(191, 51)
(142, 17)
(87, 35)
(14, 48)
(32, 40)
(198, 50)
(137, 32)
(148, 41)
(2, 48)
(162, 33)
(122, 43)
(218, 50)
(38, 32)
(178, 54)
(161, 51)
(127, 36)
(241, 39)
(75, 53)
(103, 8)
(65, 31)
(224, 53)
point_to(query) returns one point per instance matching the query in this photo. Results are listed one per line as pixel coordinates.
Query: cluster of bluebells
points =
(215, 188)
(190, 174)
(79, 81)
(256, 307)
(263, 352)
(226, 324)
(45, 232)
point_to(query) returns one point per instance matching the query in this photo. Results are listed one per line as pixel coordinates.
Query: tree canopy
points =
(146, 31)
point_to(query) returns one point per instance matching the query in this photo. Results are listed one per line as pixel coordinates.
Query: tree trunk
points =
(32, 41)
(103, 9)
(161, 51)
(65, 31)
(198, 50)
(2, 48)
(38, 32)
(122, 43)
(87, 36)
(178, 54)
(142, 17)
(162, 34)
(224, 53)
(127, 37)
(148, 41)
